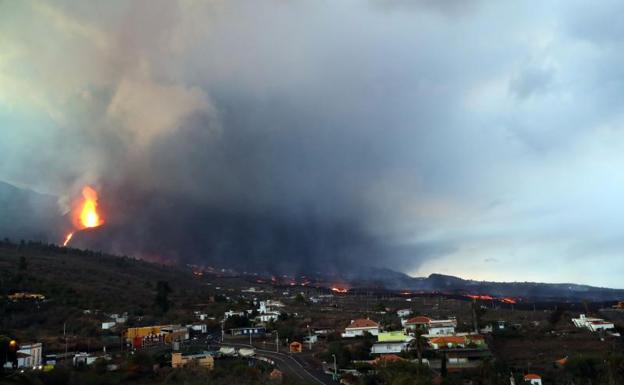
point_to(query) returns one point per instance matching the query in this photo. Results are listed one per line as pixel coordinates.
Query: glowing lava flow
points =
(86, 214)
(339, 290)
(68, 238)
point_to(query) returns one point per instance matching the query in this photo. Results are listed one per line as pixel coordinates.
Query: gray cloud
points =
(308, 133)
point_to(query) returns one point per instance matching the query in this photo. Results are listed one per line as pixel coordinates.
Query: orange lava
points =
(340, 290)
(84, 213)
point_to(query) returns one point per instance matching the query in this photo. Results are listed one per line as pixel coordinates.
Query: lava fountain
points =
(85, 214)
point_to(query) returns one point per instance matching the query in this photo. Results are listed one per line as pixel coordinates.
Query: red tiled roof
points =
(476, 337)
(387, 358)
(448, 340)
(362, 323)
(418, 320)
(532, 376)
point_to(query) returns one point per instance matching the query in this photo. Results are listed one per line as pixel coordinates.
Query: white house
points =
(533, 379)
(31, 356)
(83, 358)
(359, 326)
(389, 347)
(432, 327)
(404, 313)
(231, 313)
(268, 316)
(268, 306)
(595, 326)
(311, 339)
(108, 325)
(441, 327)
(591, 323)
(200, 328)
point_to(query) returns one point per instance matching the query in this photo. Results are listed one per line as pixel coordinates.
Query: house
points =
(394, 336)
(533, 379)
(311, 339)
(29, 355)
(108, 325)
(231, 313)
(448, 342)
(386, 359)
(358, 327)
(198, 328)
(276, 375)
(254, 331)
(591, 323)
(268, 306)
(295, 347)
(204, 360)
(83, 358)
(389, 347)
(154, 335)
(441, 327)
(271, 316)
(420, 322)
(404, 313)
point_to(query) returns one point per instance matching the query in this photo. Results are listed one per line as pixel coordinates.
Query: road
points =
(289, 365)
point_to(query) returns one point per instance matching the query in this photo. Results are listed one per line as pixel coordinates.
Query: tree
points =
(419, 344)
(555, 316)
(443, 370)
(162, 296)
(8, 351)
(22, 264)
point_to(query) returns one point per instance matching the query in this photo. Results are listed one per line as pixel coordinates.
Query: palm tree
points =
(419, 344)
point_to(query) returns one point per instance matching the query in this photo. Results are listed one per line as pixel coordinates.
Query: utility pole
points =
(335, 367)
(277, 341)
(65, 335)
(309, 339)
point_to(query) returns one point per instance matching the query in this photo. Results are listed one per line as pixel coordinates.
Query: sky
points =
(480, 139)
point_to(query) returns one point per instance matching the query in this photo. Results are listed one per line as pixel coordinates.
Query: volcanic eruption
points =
(84, 214)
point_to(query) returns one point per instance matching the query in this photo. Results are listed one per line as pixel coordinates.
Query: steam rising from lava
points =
(84, 213)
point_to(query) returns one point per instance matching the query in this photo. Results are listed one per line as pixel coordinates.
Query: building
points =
(358, 327)
(420, 322)
(198, 328)
(431, 326)
(268, 306)
(533, 379)
(29, 355)
(108, 325)
(232, 313)
(389, 347)
(311, 339)
(254, 331)
(591, 323)
(154, 335)
(83, 358)
(448, 342)
(271, 316)
(404, 313)
(295, 347)
(276, 375)
(394, 336)
(204, 360)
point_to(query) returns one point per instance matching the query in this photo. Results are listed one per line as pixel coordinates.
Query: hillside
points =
(29, 215)
(75, 280)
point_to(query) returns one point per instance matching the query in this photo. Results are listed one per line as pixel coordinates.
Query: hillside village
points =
(281, 330)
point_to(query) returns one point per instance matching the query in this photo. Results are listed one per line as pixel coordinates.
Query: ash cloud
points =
(299, 135)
